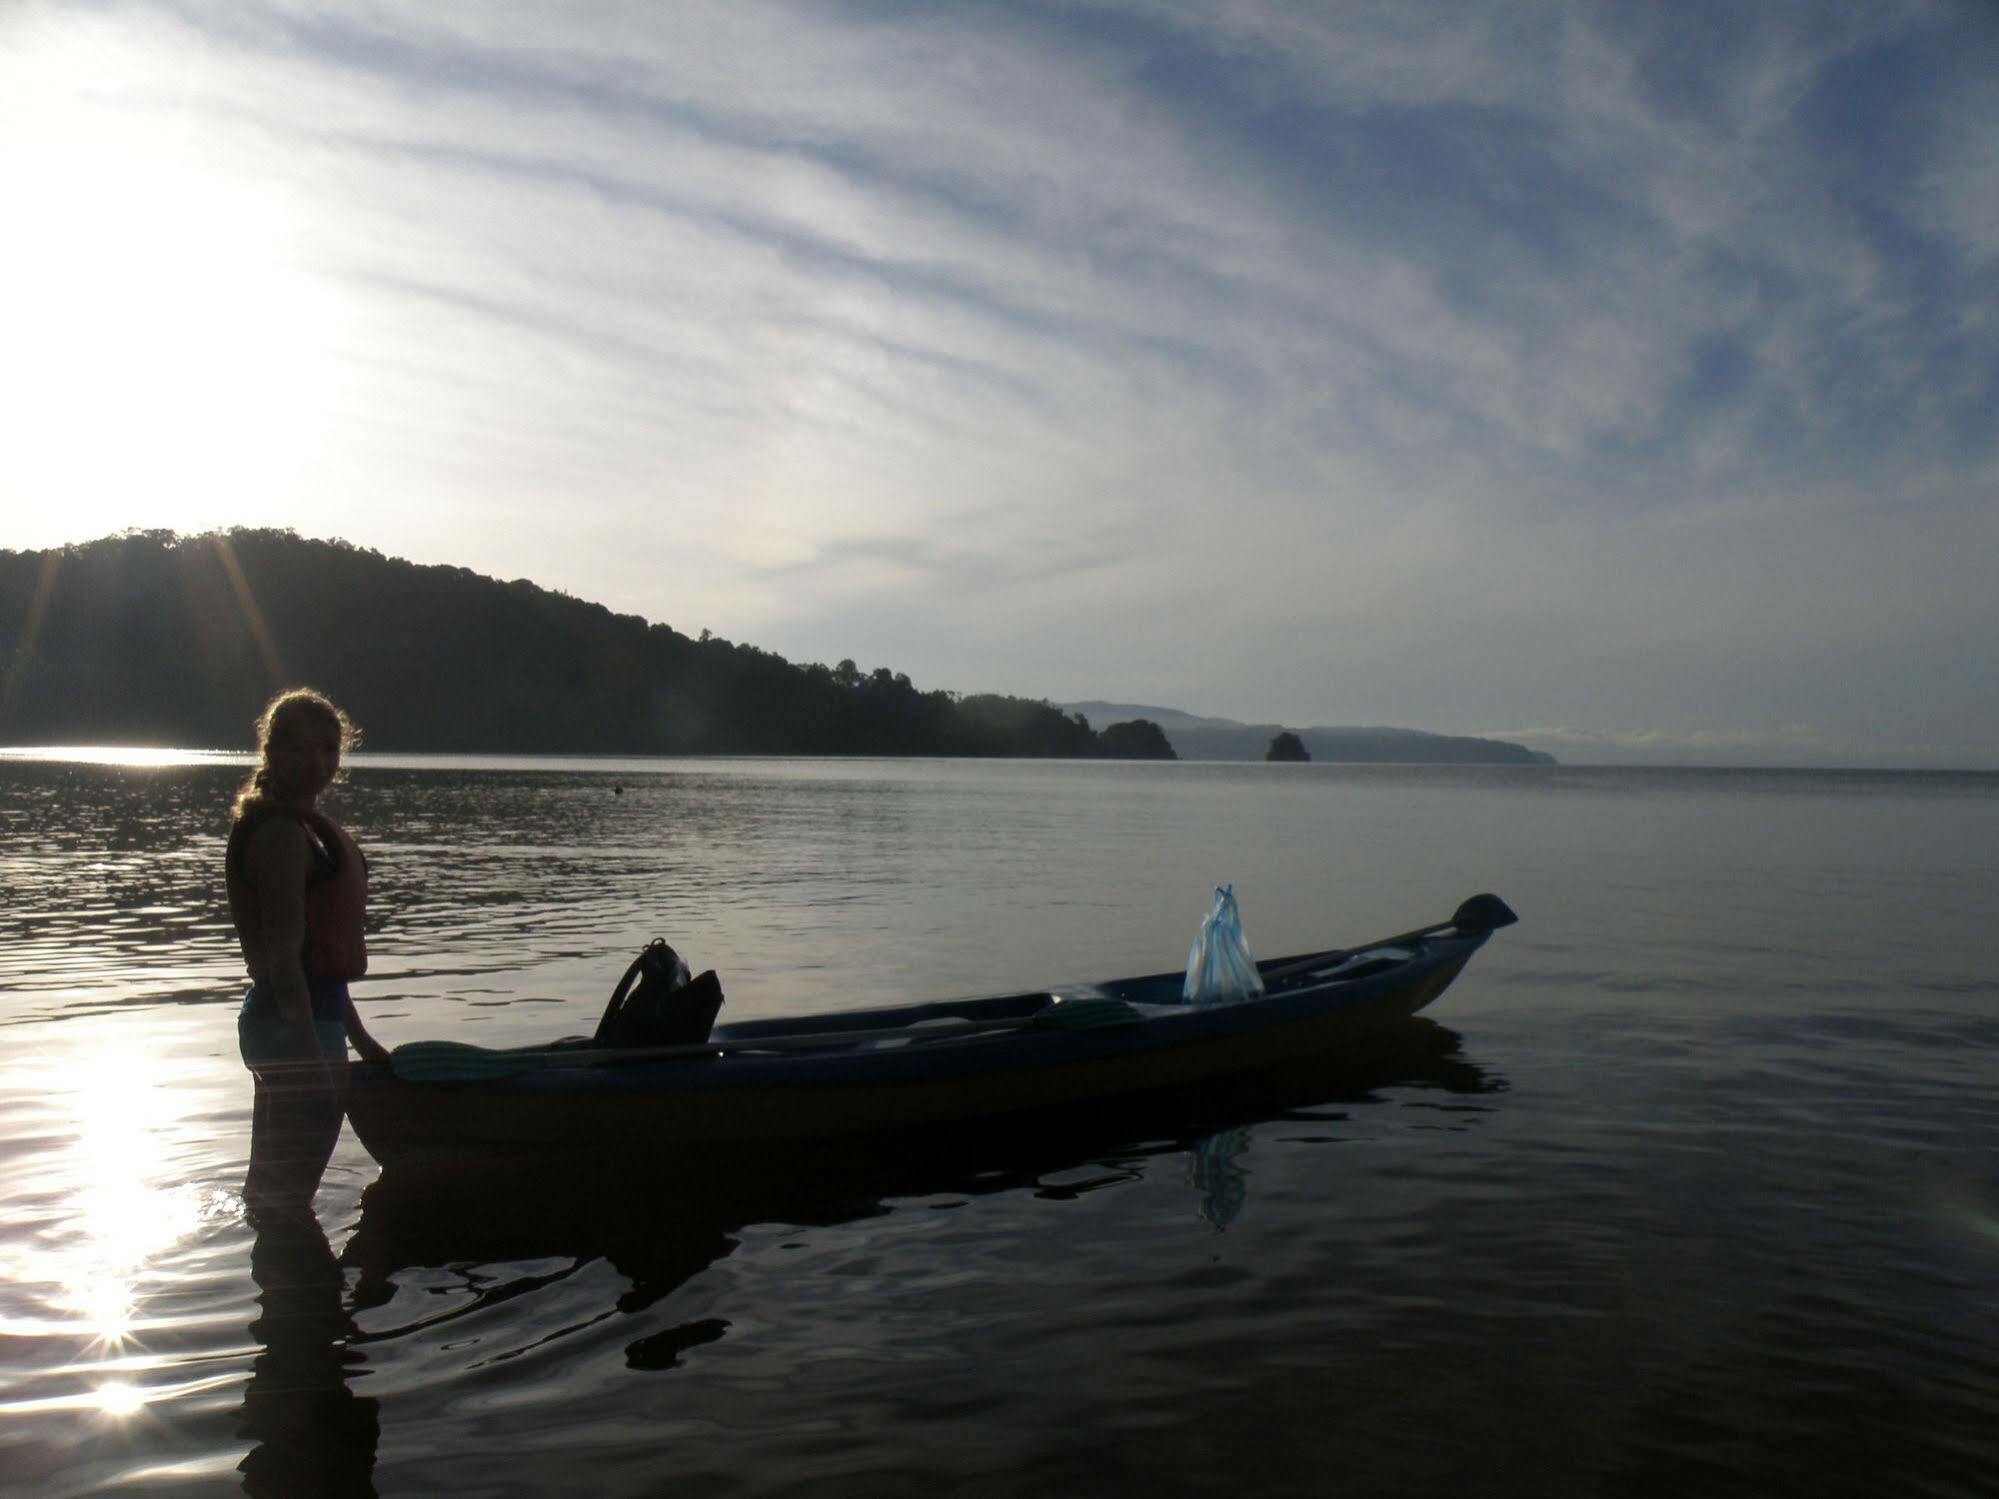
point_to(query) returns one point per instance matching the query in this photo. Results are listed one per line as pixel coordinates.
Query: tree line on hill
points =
(154, 638)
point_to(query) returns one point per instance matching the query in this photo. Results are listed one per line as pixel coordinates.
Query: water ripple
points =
(1704, 1201)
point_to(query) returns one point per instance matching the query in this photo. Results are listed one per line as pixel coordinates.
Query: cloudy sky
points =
(1619, 378)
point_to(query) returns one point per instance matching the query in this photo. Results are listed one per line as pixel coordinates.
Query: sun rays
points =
(31, 628)
(25, 673)
(267, 645)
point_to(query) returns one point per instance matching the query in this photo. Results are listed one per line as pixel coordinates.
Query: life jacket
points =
(336, 893)
(336, 907)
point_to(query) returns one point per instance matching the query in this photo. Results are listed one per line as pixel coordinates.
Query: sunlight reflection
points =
(120, 1399)
(142, 756)
(124, 1216)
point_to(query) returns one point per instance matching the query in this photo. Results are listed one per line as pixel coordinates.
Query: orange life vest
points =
(336, 893)
(336, 907)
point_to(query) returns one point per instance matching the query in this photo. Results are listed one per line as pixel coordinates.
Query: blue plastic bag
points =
(1219, 968)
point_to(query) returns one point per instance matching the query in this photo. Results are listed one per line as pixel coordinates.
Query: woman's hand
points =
(370, 1049)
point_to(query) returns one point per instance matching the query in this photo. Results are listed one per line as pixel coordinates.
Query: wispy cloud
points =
(1378, 364)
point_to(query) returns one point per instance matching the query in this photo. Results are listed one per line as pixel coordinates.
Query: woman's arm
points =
(371, 1050)
(277, 861)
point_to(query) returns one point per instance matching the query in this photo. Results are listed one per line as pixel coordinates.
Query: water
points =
(1706, 1198)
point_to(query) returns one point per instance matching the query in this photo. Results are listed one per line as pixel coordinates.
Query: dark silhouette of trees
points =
(1137, 739)
(153, 638)
(1286, 745)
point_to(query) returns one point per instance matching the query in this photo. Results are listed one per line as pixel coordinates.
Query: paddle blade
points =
(1483, 913)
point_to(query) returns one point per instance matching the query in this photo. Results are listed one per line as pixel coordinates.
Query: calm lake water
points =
(1692, 1188)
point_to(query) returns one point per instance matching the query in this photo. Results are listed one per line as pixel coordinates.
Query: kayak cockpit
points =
(1072, 1006)
(942, 1014)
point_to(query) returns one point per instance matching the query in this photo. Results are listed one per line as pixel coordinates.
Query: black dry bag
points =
(657, 1004)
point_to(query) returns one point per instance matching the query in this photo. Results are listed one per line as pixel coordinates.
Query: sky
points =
(1621, 379)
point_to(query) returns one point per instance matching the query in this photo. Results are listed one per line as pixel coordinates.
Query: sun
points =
(167, 359)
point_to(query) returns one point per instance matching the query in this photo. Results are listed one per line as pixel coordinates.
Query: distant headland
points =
(158, 639)
(1198, 738)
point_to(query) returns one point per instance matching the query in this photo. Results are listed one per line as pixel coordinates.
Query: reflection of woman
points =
(314, 1435)
(297, 891)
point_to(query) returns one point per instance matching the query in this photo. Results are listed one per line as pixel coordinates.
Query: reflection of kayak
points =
(999, 1062)
(660, 1222)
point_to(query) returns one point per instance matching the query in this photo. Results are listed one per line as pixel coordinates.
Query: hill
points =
(1197, 738)
(153, 638)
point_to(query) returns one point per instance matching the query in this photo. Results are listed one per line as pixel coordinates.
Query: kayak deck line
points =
(442, 1061)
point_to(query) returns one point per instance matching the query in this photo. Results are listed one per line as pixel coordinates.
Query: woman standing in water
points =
(297, 893)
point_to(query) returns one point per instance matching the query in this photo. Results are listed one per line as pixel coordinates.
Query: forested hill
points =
(150, 638)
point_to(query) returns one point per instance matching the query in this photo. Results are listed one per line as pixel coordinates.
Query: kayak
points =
(1001, 1062)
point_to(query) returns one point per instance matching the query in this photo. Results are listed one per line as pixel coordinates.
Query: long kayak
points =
(1001, 1061)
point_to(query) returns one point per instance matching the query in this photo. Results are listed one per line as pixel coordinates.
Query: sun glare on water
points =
(131, 756)
(166, 361)
(123, 1215)
(126, 1215)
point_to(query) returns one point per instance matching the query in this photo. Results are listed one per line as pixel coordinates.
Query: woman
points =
(297, 891)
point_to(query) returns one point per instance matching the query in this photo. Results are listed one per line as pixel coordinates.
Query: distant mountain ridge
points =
(1195, 737)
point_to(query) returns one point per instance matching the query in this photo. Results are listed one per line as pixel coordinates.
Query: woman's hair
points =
(290, 707)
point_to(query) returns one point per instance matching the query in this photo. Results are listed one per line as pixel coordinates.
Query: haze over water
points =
(1693, 1192)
